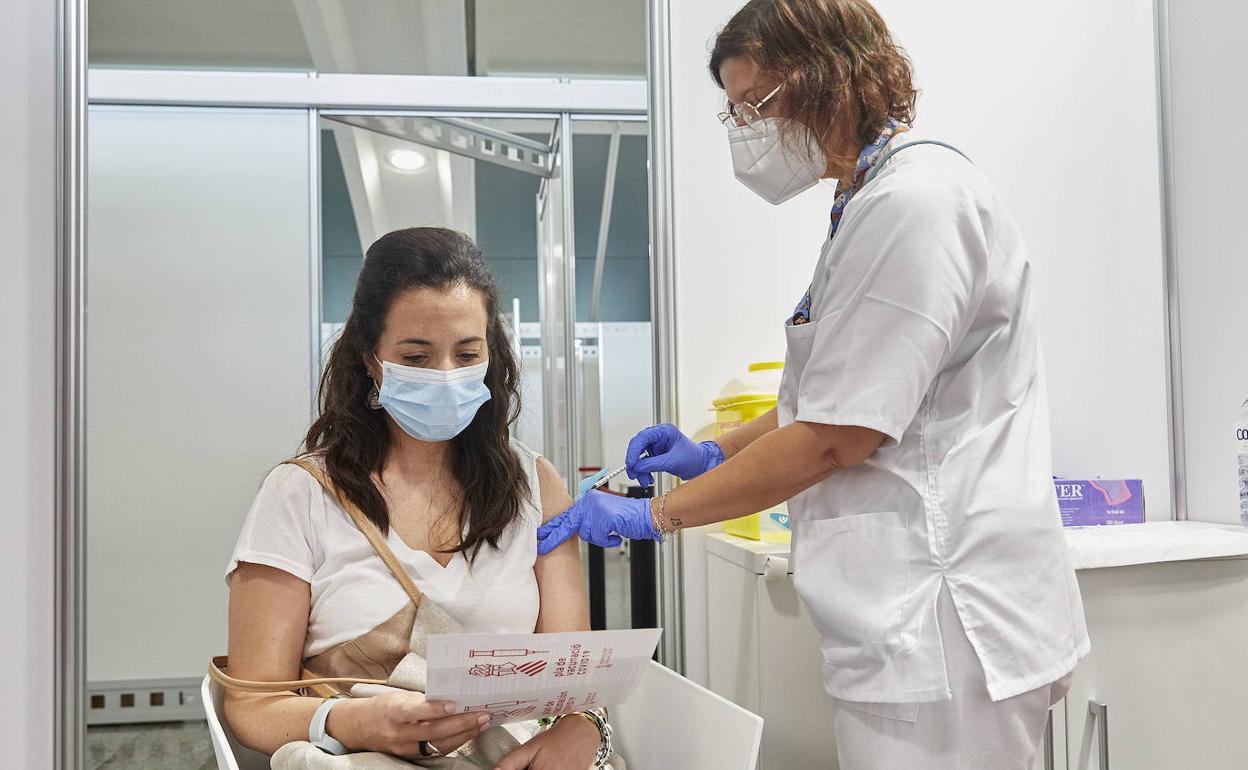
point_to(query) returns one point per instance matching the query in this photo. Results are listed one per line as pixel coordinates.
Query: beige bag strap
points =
(366, 526)
(218, 665)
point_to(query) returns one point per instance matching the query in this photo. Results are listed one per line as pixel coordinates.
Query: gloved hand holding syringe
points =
(604, 519)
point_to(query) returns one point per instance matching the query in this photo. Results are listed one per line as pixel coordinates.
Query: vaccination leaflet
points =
(515, 677)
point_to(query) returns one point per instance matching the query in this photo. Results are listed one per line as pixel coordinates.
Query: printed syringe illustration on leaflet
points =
(517, 653)
(526, 676)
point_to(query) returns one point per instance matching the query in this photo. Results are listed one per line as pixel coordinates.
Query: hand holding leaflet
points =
(556, 674)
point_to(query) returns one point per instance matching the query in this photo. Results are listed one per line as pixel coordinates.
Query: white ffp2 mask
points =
(766, 165)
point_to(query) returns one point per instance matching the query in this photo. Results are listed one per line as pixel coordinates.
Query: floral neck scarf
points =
(867, 159)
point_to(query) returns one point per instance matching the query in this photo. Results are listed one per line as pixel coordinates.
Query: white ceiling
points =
(603, 38)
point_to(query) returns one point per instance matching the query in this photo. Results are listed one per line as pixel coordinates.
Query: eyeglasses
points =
(744, 113)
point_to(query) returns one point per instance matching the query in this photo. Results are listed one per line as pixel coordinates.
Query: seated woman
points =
(416, 406)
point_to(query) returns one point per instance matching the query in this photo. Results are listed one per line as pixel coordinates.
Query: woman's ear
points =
(371, 366)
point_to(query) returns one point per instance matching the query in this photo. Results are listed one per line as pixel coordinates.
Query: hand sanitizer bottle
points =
(1241, 443)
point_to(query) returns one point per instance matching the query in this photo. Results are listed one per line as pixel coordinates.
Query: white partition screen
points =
(199, 344)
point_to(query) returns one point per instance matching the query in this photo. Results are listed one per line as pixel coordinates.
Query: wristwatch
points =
(316, 729)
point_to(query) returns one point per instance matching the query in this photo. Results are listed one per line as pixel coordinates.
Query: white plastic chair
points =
(667, 722)
(231, 755)
(670, 721)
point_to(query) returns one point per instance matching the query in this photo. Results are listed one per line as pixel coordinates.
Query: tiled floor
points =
(166, 746)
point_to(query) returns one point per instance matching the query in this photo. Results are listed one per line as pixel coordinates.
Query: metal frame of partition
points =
(69, 728)
(317, 95)
(663, 305)
(365, 93)
(316, 280)
(558, 318)
(1174, 346)
(570, 370)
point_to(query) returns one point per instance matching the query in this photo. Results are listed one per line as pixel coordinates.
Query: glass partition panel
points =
(481, 176)
(546, 38)
(614, 346)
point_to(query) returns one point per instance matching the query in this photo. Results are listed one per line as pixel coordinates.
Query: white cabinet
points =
(1167, 610)
(764, 653)
(1168, 662)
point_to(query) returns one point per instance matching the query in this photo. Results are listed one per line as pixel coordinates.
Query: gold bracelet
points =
(589, 718)
(560, 718)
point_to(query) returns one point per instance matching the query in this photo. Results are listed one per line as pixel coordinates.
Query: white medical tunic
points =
(924, 329)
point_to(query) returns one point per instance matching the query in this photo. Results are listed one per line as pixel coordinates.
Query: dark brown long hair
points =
(354, 439)
(832, 56)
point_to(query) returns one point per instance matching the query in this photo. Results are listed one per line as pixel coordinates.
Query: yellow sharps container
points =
(742, 400)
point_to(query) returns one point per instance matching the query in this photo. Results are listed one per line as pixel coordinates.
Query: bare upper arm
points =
(555, 497)
(268, 623)
(560, 581)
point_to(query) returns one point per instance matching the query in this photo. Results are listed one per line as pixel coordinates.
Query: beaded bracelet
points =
(605, 749)
(598, 720)
(658, 518)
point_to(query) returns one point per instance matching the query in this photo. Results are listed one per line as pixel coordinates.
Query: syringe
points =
(600, 479)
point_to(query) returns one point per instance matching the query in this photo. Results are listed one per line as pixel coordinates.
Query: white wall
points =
(741, 266)
(1055, 102)
(199, 345)
(28, 139)
(1210, 158)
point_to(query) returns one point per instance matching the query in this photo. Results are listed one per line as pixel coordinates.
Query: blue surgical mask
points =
(431, 404)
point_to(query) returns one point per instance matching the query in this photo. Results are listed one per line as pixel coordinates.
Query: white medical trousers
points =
(969, 732)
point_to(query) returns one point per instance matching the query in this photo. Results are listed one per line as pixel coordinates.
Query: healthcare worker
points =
(911, 436)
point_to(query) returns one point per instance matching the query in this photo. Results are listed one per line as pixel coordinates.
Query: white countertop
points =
(1154, 541)
(1090, 547)
(750, 554)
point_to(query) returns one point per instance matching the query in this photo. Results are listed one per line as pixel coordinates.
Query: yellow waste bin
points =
(741, 401)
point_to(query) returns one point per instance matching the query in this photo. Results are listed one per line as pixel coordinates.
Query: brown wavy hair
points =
(353, 439)
(832, 56)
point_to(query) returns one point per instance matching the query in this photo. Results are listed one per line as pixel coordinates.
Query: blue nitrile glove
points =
(600, 518)
(667, 449)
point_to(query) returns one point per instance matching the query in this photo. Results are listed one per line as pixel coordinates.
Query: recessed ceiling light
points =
(406, 161)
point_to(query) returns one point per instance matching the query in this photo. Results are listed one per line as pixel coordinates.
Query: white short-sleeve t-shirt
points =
(294, 526)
